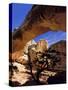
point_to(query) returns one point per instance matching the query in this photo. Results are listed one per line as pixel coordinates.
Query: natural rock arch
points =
(40, 19)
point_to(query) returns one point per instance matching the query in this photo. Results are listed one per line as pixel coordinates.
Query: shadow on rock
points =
(57, 79)
(33, 82)
(14, 83)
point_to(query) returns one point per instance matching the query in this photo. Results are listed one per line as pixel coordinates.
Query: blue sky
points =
(52, 37)
(19, 12)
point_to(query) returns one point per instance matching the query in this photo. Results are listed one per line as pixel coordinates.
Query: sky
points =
(52, 37)
(20, 11)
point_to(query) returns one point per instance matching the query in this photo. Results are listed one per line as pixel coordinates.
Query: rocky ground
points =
(21, 76)
(19, 72)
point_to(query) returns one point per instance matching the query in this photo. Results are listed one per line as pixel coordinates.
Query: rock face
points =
(60, 47)
(20, 70)
(59, 78)
(43, 14)
(19, 75)
(42, 46)
(39, 20)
